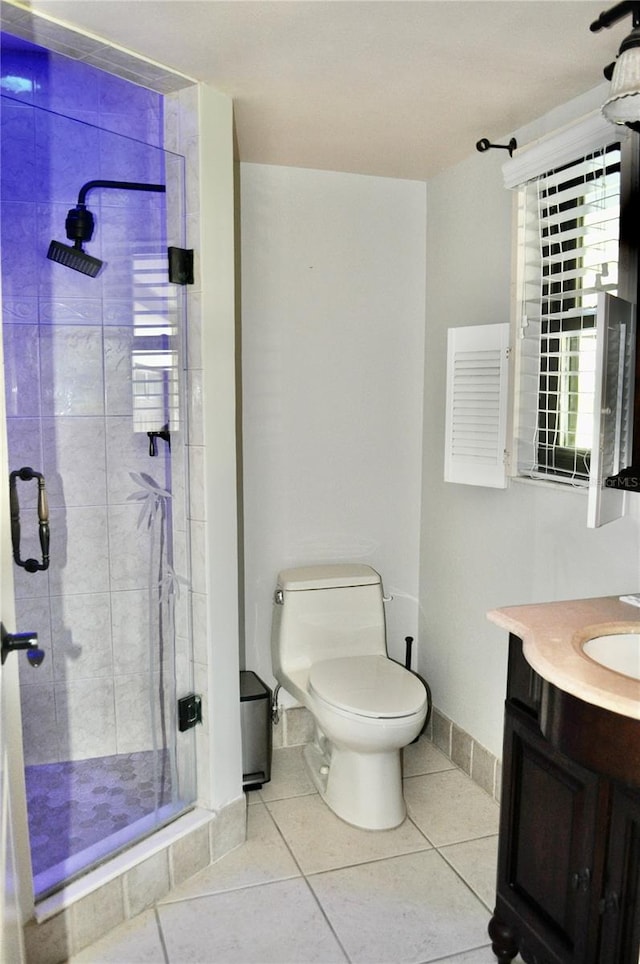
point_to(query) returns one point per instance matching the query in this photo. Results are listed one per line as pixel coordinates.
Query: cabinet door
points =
(547, 846)
(620, 903)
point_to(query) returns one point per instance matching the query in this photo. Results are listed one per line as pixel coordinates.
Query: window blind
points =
(569, 219)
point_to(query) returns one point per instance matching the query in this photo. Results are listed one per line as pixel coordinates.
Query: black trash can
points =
(255, 723)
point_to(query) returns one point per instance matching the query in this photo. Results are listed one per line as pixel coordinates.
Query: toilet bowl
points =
(329, 651)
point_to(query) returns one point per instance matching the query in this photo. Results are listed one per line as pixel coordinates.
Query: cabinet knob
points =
(609, 903)
(581, 880)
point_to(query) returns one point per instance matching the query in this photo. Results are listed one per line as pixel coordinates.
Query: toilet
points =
(328, 646)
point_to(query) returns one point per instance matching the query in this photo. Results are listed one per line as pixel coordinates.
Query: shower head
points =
(80, 223)
(74, 258)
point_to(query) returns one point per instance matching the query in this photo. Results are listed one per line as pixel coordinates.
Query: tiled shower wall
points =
(68, 342)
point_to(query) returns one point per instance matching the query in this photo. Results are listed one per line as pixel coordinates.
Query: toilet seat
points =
(369, 686)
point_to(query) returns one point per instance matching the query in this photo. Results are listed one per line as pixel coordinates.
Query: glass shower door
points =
(95, 404)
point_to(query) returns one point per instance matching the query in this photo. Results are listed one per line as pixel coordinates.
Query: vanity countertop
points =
(552, 635)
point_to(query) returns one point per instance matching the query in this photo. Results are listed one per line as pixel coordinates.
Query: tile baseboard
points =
(295, 727)
(471, 757)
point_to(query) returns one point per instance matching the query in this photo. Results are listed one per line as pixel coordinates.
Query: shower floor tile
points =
(77, 803)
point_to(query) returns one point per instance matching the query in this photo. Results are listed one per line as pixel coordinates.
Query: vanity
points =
(568, 881)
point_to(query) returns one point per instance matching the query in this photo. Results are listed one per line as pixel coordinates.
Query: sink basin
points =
(619, 652)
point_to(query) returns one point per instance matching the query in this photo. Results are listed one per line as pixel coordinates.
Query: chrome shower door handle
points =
(26, 474)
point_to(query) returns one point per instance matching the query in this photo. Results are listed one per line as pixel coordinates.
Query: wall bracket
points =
(485, 145)
(180, 266)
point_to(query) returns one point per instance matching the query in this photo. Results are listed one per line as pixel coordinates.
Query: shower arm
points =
(79, 226)
(118, 185)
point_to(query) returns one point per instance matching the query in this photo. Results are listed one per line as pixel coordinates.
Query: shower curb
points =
(131, 882)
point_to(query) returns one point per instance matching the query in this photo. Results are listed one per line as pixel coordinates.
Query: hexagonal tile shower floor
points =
(75, 805)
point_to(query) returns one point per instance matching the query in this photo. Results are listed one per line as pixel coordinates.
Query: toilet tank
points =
(325, 612)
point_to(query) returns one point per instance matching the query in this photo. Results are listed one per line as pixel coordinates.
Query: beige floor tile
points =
(424, 757)
(483, 955)
(321, 841)
(449, 807)
(279, 923)
(476, 861)
(389, 896)
(262, 859)
(136, 941)
(412, 908)
(289, 777)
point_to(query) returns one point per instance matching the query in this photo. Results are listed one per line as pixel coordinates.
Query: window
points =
(569, 240)
(154, 358)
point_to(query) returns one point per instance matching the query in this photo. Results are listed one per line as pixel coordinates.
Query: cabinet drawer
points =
(524, 686)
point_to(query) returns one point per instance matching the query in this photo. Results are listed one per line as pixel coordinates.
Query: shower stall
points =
(94, 364)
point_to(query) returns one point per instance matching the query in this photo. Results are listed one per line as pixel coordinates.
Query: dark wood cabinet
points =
(568, 887)
(619, 905)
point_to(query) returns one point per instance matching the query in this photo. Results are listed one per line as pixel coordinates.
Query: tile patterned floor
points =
(74, 804)
(308, 887)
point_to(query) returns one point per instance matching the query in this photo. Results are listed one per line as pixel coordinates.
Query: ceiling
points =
(387, 87)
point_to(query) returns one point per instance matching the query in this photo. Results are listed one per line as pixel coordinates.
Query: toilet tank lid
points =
(336, 576)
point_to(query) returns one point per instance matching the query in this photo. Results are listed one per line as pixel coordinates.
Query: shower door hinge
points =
(180, 266)
(189, 711)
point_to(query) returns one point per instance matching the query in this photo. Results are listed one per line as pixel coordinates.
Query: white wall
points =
(340, 419)
(332, 348)
(484, 548)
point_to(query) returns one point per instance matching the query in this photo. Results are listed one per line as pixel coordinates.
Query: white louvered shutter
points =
(612, 423)
(476, 409)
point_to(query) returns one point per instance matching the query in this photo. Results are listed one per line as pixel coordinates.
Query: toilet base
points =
(363, 789)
